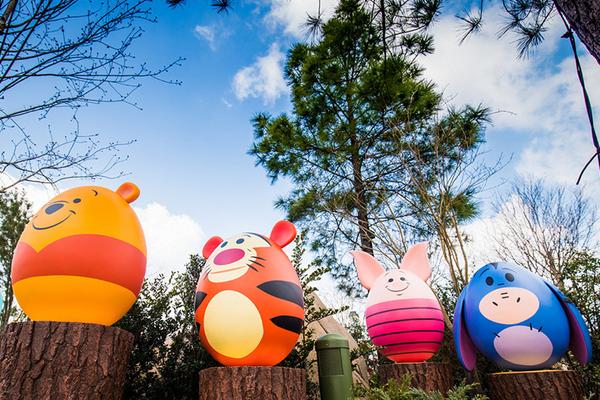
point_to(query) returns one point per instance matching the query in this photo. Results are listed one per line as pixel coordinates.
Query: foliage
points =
(79, 53)
(309, 273)
(167, 354)
(14, 215)
(361, 117)
(583, 286)
(401, 390)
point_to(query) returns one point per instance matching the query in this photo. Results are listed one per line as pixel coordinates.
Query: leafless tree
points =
(73, 53)
(543, 227)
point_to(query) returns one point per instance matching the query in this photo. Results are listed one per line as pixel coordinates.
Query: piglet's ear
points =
(211, 245)
(416, 261)
(283, 233)
(368, 268)
(129, 192)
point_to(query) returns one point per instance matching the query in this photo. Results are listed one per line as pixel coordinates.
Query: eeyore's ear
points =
(465, 348)
(581, 343)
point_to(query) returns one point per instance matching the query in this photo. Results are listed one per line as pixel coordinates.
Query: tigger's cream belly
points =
(232, 324)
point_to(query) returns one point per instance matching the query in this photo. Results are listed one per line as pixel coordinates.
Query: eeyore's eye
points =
(509, 277)
(489, 280)
(239, 241)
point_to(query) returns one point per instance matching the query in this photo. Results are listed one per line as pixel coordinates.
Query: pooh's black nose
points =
(52, 208)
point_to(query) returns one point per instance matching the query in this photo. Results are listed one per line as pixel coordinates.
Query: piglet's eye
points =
(402, 278)
(509, 277)
(391, 280)
(489, 280)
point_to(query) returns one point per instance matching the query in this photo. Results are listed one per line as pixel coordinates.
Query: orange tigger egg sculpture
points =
(249, 303)
(82, 257)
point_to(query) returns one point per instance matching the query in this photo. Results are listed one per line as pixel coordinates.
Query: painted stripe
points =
(288, 323)
(284, 290)
(399, 338)
(401, 304)
(198, 299)
(397, 315)
(419, 346)
(407, 326)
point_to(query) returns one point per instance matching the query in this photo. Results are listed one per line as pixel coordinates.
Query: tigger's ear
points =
(211, 245)
(283, 233)
(129, 192)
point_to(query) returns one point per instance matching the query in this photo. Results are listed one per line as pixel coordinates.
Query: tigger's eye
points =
(223, 244)
(239, 241)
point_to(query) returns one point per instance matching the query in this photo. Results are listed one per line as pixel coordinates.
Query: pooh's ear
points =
(211, 245)
(283, 233)
(368, 268)
(416, 261)
(129, 192)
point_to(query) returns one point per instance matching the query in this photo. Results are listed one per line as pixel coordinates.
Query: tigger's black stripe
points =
(198, 299)
(288, 323)
(284, 290)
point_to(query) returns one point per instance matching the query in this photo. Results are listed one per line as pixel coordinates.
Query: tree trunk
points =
(535, 385)
(61, 360)
(252, 383)
(429, 376)
(584, 18)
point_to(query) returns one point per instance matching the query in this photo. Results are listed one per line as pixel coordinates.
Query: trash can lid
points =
(332, 341)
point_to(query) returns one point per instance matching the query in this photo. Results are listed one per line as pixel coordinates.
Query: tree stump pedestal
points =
(62, 360)
(252, 383)
(535, 385)
(429, 376)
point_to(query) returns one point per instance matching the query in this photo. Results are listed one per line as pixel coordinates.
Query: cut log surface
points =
(61, 360)
(429, 376)
(252, 383)
(534, 385)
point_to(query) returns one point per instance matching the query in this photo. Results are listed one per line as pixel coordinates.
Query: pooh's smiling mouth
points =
(42, 228)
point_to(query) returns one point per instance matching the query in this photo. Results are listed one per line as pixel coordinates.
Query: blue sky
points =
(190, 157)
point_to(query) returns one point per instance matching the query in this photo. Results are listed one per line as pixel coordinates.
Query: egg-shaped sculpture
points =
(82, 257)
(403, 315)
(517, 320)
(249, 303)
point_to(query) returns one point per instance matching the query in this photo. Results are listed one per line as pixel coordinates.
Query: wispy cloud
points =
(292, 14)
(207, 33)
(263, 79)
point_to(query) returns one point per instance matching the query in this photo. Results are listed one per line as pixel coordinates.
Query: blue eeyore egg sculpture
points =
(517, 320)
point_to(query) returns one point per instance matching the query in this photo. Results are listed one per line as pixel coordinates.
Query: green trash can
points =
(335, 368)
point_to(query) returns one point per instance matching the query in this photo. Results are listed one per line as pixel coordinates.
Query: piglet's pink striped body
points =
(409, 330)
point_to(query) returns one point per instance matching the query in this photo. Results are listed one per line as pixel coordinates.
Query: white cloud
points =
(170, 238)
(542, 97)
(263, 79)
(291, 14)
(207, 33)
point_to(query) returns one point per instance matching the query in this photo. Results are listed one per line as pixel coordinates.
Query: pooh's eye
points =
(223, 244)
(509, 277)
(77, 200)
(391, 280)
(239, 241)
(489, 280)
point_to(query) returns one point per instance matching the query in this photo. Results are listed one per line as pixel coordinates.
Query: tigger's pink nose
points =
(229, 256)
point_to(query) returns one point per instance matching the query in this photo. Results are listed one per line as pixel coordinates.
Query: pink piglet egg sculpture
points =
(403, 315)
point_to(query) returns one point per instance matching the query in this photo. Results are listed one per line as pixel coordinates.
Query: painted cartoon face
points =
(234, 257)
(515, 319)
(82, 257)
(249, 303)
(402, 314)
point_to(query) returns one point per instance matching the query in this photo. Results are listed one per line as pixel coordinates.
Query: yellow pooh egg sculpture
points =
(82, 257)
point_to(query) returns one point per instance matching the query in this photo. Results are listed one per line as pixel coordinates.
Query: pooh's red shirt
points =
(92, 256)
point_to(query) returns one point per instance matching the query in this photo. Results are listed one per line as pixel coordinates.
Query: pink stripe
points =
(411, 347)
(410, 358)
(406, 303)
(403, 326)
(404, 315)
(399, 338)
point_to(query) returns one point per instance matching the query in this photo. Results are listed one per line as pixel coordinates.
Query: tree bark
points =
(252, 383)
(61, 360)
(584, 18)
(429, 376)
(535, 385)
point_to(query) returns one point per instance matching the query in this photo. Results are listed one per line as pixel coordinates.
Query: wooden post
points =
(63, 360)
(535, 385)
(429, 376)
(252, 383)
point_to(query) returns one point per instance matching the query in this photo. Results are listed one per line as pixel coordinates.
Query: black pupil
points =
(509, 277)
(403, 279)
(77, 200)
(391, 280)
(224, 244)
(239, 241)
(489, 280)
